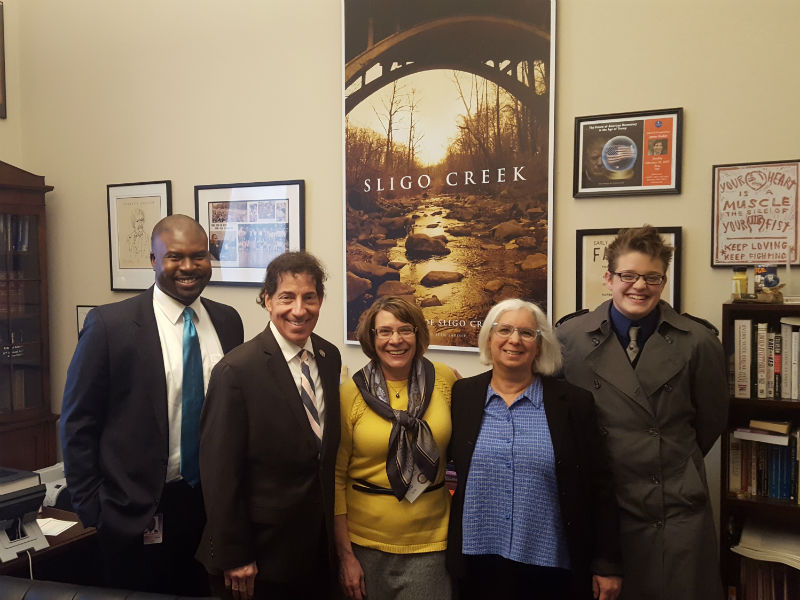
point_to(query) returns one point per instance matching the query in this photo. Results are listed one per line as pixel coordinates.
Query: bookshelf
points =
(735, 508)
(27, 426)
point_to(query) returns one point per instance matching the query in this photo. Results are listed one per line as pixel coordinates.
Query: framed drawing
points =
(248, 225)
(592, 265)
(133, 211)
(755, 213)
(3, 109)
(81, 310)
(628, 153)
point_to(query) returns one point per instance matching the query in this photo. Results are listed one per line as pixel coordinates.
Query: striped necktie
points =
(633, 346)
(308, 394)
(192, 393)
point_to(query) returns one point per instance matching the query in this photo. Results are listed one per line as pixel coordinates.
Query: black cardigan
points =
(588, 506)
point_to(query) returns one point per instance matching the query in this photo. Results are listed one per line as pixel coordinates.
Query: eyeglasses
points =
(385, 333)
(526, 334)
(649, 278)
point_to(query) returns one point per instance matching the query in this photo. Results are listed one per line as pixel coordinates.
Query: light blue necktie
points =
(191, 400)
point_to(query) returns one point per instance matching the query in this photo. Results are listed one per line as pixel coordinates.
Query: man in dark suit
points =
(129, 435)
(269, 435)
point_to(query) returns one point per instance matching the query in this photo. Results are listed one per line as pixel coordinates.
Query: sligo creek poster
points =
(448, 159)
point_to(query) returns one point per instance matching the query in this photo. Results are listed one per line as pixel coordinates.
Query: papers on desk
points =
(54, 526)
(763, 542)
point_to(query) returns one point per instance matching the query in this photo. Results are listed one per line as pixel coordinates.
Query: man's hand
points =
(606, 588)
(241, 581)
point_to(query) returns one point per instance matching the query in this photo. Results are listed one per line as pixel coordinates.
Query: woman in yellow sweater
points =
(392, 506)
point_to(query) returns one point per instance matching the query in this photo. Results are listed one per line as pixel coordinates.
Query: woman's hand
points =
(606, 588)
(351, 577)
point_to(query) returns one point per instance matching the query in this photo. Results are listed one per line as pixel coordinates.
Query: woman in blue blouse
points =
(534, 513)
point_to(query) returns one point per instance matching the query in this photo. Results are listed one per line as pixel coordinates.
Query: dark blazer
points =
(586, 491)
(267, 485)
(114, 428)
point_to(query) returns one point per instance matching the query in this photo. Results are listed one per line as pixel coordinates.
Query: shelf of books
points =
(760, 484)
(27, 424)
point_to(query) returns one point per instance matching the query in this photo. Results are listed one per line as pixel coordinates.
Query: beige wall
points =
(202, 92)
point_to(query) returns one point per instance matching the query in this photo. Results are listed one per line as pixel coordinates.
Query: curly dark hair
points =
(296, 263)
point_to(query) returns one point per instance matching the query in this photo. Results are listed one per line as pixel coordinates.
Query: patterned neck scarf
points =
(411, 442)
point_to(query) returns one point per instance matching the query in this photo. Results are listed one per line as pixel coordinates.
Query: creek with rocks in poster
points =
(453, 255)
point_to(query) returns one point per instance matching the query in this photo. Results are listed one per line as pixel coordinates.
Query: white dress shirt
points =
(290, 353)
(169, 318)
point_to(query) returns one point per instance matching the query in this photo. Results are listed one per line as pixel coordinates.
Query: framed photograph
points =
(3, 109)
(755, 213)
(628, 153)
(592, 261)
(248, 225)
(133, 211)
(81, 310)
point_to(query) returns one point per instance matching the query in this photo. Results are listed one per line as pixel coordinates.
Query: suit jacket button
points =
(595, 341)
(596, 384)
(667, 387)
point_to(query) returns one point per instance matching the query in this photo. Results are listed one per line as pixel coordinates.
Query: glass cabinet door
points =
(20, 314)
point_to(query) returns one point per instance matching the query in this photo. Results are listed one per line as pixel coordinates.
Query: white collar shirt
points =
(290, 352)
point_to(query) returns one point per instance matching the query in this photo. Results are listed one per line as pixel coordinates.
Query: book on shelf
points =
(734, 465)
(14, 480)
(757, 435)
(742, 357)
(764, 362)
(761, 469)
(782, 427)
(770, 543)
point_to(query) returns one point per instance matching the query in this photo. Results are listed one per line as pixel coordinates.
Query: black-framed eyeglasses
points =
(526, 334)
(385, 333)
(649, 278)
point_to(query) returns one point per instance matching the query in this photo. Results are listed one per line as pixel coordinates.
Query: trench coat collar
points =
(659, 362)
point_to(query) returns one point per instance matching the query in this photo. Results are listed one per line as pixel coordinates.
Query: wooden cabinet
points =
(736, 508)
(27, 426)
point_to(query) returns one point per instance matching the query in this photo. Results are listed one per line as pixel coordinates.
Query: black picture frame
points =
(248, 225)
(630, 153)
(81, 310)
(133, 211)
(590, 290)
(3, 100)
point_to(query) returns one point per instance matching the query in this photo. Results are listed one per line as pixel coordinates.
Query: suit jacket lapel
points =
(281, 376)
(145, 330)
(227, 335)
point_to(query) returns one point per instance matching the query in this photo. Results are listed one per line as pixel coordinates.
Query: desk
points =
(72, 556)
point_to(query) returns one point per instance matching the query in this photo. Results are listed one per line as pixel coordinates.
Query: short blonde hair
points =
(548, 360)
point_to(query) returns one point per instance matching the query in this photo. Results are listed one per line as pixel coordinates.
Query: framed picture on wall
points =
(81, 310)
(2, 67)
(248, 225)
(425, 217)
(592, 265)
(755, 214)
(133, 211)
(628, 153)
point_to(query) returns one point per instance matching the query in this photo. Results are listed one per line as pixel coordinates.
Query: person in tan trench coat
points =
(661, 410)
